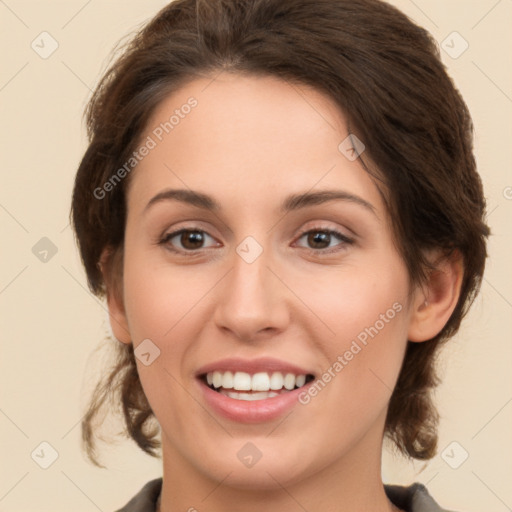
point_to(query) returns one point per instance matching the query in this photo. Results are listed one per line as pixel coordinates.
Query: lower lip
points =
(256, 411)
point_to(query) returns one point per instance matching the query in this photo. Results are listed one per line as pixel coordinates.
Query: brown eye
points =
(191, 239)
(188, 240)
(319, 240)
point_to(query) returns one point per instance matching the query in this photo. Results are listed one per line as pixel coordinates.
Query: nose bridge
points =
(250, 279)
(252, 297)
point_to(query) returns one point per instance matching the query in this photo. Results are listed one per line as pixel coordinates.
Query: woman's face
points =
(275, 280)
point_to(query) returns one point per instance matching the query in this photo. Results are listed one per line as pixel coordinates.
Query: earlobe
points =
(435, 301)
(117, 317)
(110, 265)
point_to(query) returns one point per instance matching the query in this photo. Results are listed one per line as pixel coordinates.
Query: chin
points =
(246, 467)
(263, 476)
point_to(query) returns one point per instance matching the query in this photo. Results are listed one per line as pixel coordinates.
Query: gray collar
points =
(414, 498)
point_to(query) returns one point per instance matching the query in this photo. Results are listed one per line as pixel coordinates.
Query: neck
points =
(352, 482)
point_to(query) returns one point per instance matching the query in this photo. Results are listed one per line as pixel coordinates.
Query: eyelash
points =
(343, 238)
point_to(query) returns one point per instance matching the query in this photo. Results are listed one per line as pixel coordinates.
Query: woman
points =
(280, 204)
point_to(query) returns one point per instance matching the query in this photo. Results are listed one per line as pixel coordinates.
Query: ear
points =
(110, 264)
(434, 302)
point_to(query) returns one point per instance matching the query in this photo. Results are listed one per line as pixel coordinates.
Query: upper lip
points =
(261, 364)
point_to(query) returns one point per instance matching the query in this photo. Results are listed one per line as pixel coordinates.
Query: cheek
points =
(165, 305)
(158, 297)
(367, 318)
(160, 304)
(355, 298)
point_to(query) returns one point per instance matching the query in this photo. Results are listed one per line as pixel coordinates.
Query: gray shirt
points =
(414, 498)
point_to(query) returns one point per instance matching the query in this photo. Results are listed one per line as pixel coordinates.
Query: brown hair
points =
(383, 71)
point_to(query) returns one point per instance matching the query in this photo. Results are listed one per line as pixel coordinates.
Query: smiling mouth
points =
(257, 386)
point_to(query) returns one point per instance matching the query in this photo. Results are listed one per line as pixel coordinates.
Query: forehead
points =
(249, 138)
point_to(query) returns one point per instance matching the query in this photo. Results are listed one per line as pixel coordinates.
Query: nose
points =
(252, 302)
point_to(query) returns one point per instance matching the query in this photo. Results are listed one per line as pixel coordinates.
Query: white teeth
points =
(261, 381)
(276, 381)
(261, 395)
(289, 381)
(217, 379)
(242, 381)
(227, 380)
(300, 381)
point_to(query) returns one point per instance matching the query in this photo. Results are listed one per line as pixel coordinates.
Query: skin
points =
(249, 143)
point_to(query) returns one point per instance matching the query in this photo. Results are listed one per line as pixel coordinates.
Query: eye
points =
(190, 239)
(323, 237)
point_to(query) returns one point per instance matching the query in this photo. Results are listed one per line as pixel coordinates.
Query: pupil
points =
(194, 236)
(319, 237)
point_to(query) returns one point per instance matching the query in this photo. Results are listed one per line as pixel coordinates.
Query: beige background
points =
(50, 323)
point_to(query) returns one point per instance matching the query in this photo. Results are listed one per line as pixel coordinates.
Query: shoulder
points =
(145, 499)
(414, 498)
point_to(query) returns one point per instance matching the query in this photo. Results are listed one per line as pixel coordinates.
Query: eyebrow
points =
(291, 203)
